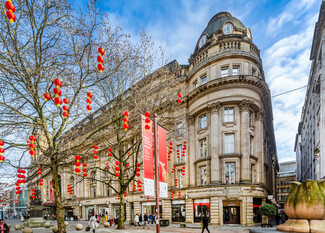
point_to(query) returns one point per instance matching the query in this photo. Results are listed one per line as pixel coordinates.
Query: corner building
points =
(226, 119)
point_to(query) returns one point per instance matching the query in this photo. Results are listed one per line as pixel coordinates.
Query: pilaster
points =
(189, 210)
(167, 210)
(214, 210)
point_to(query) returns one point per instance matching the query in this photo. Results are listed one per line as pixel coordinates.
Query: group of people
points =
(146, 218)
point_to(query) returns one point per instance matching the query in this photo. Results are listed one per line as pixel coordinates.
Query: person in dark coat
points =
(205, 223)
(145, 218)
(140, 220)
(226, 217)
(277, 219)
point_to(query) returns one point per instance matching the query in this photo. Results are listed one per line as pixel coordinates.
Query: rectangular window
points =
(229, 143)
(179, 153)
(224, 71)
(203, 175)
(204, 80)
(230, 174)
(107, 190)
(235, 70)
(252, 173)
(229, 115)
(251, 145)
(105, 174)
(94, 192)
(203, 121)
(195, 85)
(179, 129)
(250, 119)
(253, 72)
(203, 148)
(180, 178)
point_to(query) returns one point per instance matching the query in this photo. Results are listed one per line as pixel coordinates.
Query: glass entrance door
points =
(231, 215)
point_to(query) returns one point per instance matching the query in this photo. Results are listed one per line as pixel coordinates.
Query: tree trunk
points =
(58, 200)
(122, 213)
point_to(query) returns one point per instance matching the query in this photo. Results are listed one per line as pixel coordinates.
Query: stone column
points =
(259, 139)
(95, 209)
(137, 208)
(214, 142)
(249, 211)
(244, 142)
(167, 210)
(191, 157)
(189, 211)
(214, 210)
(83, 212)
(128, 212)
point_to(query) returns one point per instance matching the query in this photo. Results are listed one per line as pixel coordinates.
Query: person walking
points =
(92, 222)
(150, 219)
(227, 217)
(140, 220)
(136, 220)
(277, 219)
(205, 223)
(145, 217)
(3, 227)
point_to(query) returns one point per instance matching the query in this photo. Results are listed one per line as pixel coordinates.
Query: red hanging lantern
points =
(126, 120)
(179, 194)
(57, 92)
(118, 197)
(77, 164)
(170, 150)
(147, 121)
(179, 98)
(95, 152)
(89, 96)
(147, 198)
(100, 59)
(172, 194)
(109, 152)
(41, 182)
(47, 96)
(1, 151)
(65, 108)
(10, 13)
(32, 145)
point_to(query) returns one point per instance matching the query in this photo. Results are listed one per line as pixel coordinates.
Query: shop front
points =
(89, 212)
(178, 210)
(150, 208)
(231, 212)
(201, 206)
(69, 216)
(102, 210)
(49, 210)
(257, 202)
(116, 212)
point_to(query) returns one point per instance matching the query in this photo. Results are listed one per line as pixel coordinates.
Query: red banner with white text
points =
(162, 150)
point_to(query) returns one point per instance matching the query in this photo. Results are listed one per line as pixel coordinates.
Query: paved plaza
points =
(172, 228)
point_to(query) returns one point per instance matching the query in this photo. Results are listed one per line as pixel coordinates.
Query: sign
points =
(231, 203)
(147, 150)
(270, 197)
(162, 151)
(249, 199)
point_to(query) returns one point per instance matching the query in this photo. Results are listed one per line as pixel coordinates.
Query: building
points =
(310, 139)
(8, 204)
(226, 118)
(286, 175)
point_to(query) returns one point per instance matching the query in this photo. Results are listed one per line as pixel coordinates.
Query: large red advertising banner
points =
(162, 150)
(147, 150)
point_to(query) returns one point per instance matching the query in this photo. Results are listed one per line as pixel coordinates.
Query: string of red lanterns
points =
(100, 59)
(107, 166)
(172, 194)
(2, 151)
(77, 164)
(126, 120)
(57, 91)
(33, 193)
(65, 108)
(179, 194)
(138, 170)
(84, 170)
(69, 189)
(41, 182)
(184, 148)
(179, 98)
(170, 150)
(139, 185)
(95, 152)
(10, 13)
(89, 96)
(47, 96)
(147, 120)
(32, 145)
(39, 170)
(109, 152)
(117, 169)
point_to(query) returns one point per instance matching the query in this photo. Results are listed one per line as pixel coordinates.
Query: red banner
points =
(162, 148)
(51, 191)
(148, 165)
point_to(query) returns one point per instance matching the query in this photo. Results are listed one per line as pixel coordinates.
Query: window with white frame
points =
(180, 149)
(195, 85)
(203, 148)
(235, 70)
(253, 173)
(230, 173)
(228, 115)
(251, 145)
(204, 79)
(179, 129)
(203, 121)
(180, 178)
(229, 143)
(224, 71)
(203, 175)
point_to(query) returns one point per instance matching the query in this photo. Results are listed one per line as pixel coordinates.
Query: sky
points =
(282, 29)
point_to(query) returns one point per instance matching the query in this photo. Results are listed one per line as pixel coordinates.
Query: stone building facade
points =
(225, 118)
(310, 139)
(286, 175)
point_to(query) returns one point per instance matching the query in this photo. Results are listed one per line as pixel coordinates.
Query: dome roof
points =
(217, 21)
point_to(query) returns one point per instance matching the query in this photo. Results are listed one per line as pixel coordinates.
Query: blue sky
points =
(282, 29)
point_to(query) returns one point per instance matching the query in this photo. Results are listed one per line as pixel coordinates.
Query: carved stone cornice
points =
(245, 105)
(260, 115)
(214, 107)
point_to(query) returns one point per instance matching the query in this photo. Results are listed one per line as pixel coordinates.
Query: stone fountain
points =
(305, 206)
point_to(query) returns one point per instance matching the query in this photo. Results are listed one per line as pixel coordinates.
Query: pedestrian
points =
(145, 217)
(150, 219)
(92, 222)
(140, 220)
(277, 219)
(227, 217)
(3, 227)
(22, 219)
(205, 223)
(136, 220)
(97, 217)
(283, 218)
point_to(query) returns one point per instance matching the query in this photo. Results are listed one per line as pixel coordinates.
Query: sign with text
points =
(162, 150)
(147, 150)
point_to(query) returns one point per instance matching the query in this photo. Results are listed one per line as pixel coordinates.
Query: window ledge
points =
(179, 164)
(229, 124)
(202, 130)
(202, 159)
(230, 155)
(253, 157)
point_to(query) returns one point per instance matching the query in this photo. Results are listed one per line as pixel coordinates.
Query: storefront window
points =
(150, 208)
(201, 206)
(178, 211)
(89, 212)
